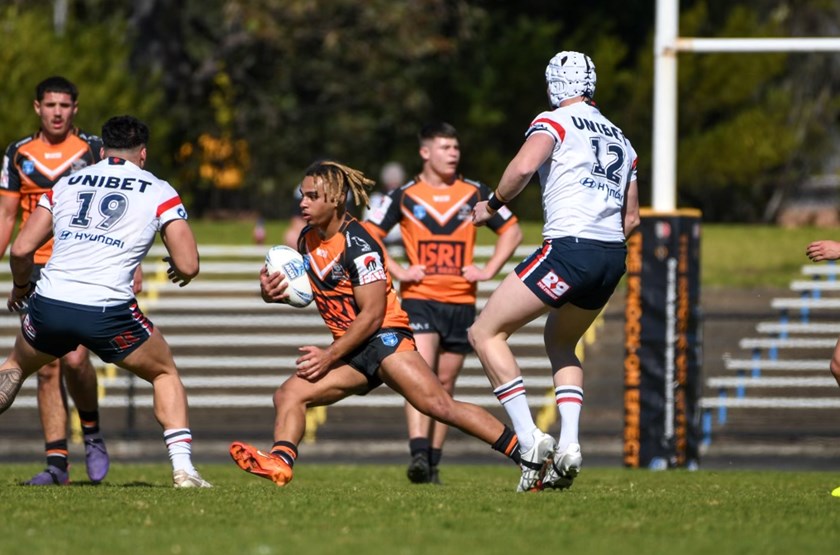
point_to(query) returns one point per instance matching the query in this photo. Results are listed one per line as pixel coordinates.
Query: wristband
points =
(25, 286)
(495, 202)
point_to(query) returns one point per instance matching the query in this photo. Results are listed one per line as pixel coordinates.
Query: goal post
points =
(663, 327)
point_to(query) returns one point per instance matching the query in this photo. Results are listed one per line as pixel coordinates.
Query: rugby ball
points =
(290, 263)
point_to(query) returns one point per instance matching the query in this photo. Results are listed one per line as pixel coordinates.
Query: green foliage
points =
(94, 56)
(372, 508)
(243, 94)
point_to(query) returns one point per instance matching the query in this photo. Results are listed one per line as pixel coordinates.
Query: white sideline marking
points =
(771, 402)
(263, 401)
(790, 302)
(797, 327)
(273, 381)
(799, 343)
(176, 340)
(815, 285)
(764, 364)
(745, 381)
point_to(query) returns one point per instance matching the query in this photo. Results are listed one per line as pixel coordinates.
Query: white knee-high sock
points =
(569, 400)
(179, 443)
(512, 397)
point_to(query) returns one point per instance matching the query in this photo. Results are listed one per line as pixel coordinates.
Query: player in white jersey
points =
(587, 171)
(104, 220)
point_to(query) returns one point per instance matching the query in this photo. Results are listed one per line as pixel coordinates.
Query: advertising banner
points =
(663, 342)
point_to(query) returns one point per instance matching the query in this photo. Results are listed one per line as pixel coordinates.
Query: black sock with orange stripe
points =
(286, 451)
(508, 444)
(89, 421)
(57, 454)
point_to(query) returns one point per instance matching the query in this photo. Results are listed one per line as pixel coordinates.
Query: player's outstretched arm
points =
(823, 250)
(8, 217)
(35, 233)
(180, 242)
(630, 210)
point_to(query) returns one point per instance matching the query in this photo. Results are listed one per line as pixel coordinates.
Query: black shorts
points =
(368, 357)
(57, 328)
(449, 321)
(583, 272)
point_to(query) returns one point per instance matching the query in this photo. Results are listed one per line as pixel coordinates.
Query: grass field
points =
(373, 509)
(741, 256)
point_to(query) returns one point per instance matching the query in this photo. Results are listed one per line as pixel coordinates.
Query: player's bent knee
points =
(440, 407)
(473, 336)
(834, 367)
(49, 373)
(76, 362)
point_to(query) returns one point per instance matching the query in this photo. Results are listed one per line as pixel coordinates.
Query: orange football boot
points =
(268, 466)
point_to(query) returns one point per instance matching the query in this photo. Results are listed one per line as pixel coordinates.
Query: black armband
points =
(495, 202)
(24, 286)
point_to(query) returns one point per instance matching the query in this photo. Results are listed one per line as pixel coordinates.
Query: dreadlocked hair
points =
(338, 178)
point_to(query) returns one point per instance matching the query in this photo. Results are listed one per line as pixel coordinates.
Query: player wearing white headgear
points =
(587, 171)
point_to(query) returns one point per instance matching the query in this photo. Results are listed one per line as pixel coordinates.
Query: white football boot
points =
(564, 468)
(183, 479)
(534, 460)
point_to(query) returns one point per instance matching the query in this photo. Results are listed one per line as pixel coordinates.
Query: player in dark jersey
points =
(438, 289)
(31, 166)
(372, 341)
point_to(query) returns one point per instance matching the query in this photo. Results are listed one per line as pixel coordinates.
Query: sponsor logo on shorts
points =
(390, 339)
(28, 328)
(553, 285)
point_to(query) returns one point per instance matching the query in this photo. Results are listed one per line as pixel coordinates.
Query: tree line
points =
(241, 95)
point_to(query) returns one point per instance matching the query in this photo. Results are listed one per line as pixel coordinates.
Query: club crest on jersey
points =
(28, 167)
(359, 242)
(390, 339)
(337, 273)
(78, 164)
(369, 267)
(419, 211)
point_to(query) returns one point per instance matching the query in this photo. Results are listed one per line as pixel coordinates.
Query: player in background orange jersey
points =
(372, 341)
(438, 289)
(31, 166)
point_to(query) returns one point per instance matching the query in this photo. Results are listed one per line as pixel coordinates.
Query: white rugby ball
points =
(290, 263)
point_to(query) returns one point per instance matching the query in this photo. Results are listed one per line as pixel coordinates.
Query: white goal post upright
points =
(663, 321)
(667, 45)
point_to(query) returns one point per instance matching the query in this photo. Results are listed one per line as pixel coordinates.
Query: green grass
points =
(742, 256)
(373, 509)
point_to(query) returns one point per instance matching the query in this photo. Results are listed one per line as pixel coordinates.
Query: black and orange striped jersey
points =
(32, 166)
(350, 258)
(438, 233)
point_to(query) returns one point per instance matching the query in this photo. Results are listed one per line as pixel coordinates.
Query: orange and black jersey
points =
(438, 233)
(31, 167)
(350, 258)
